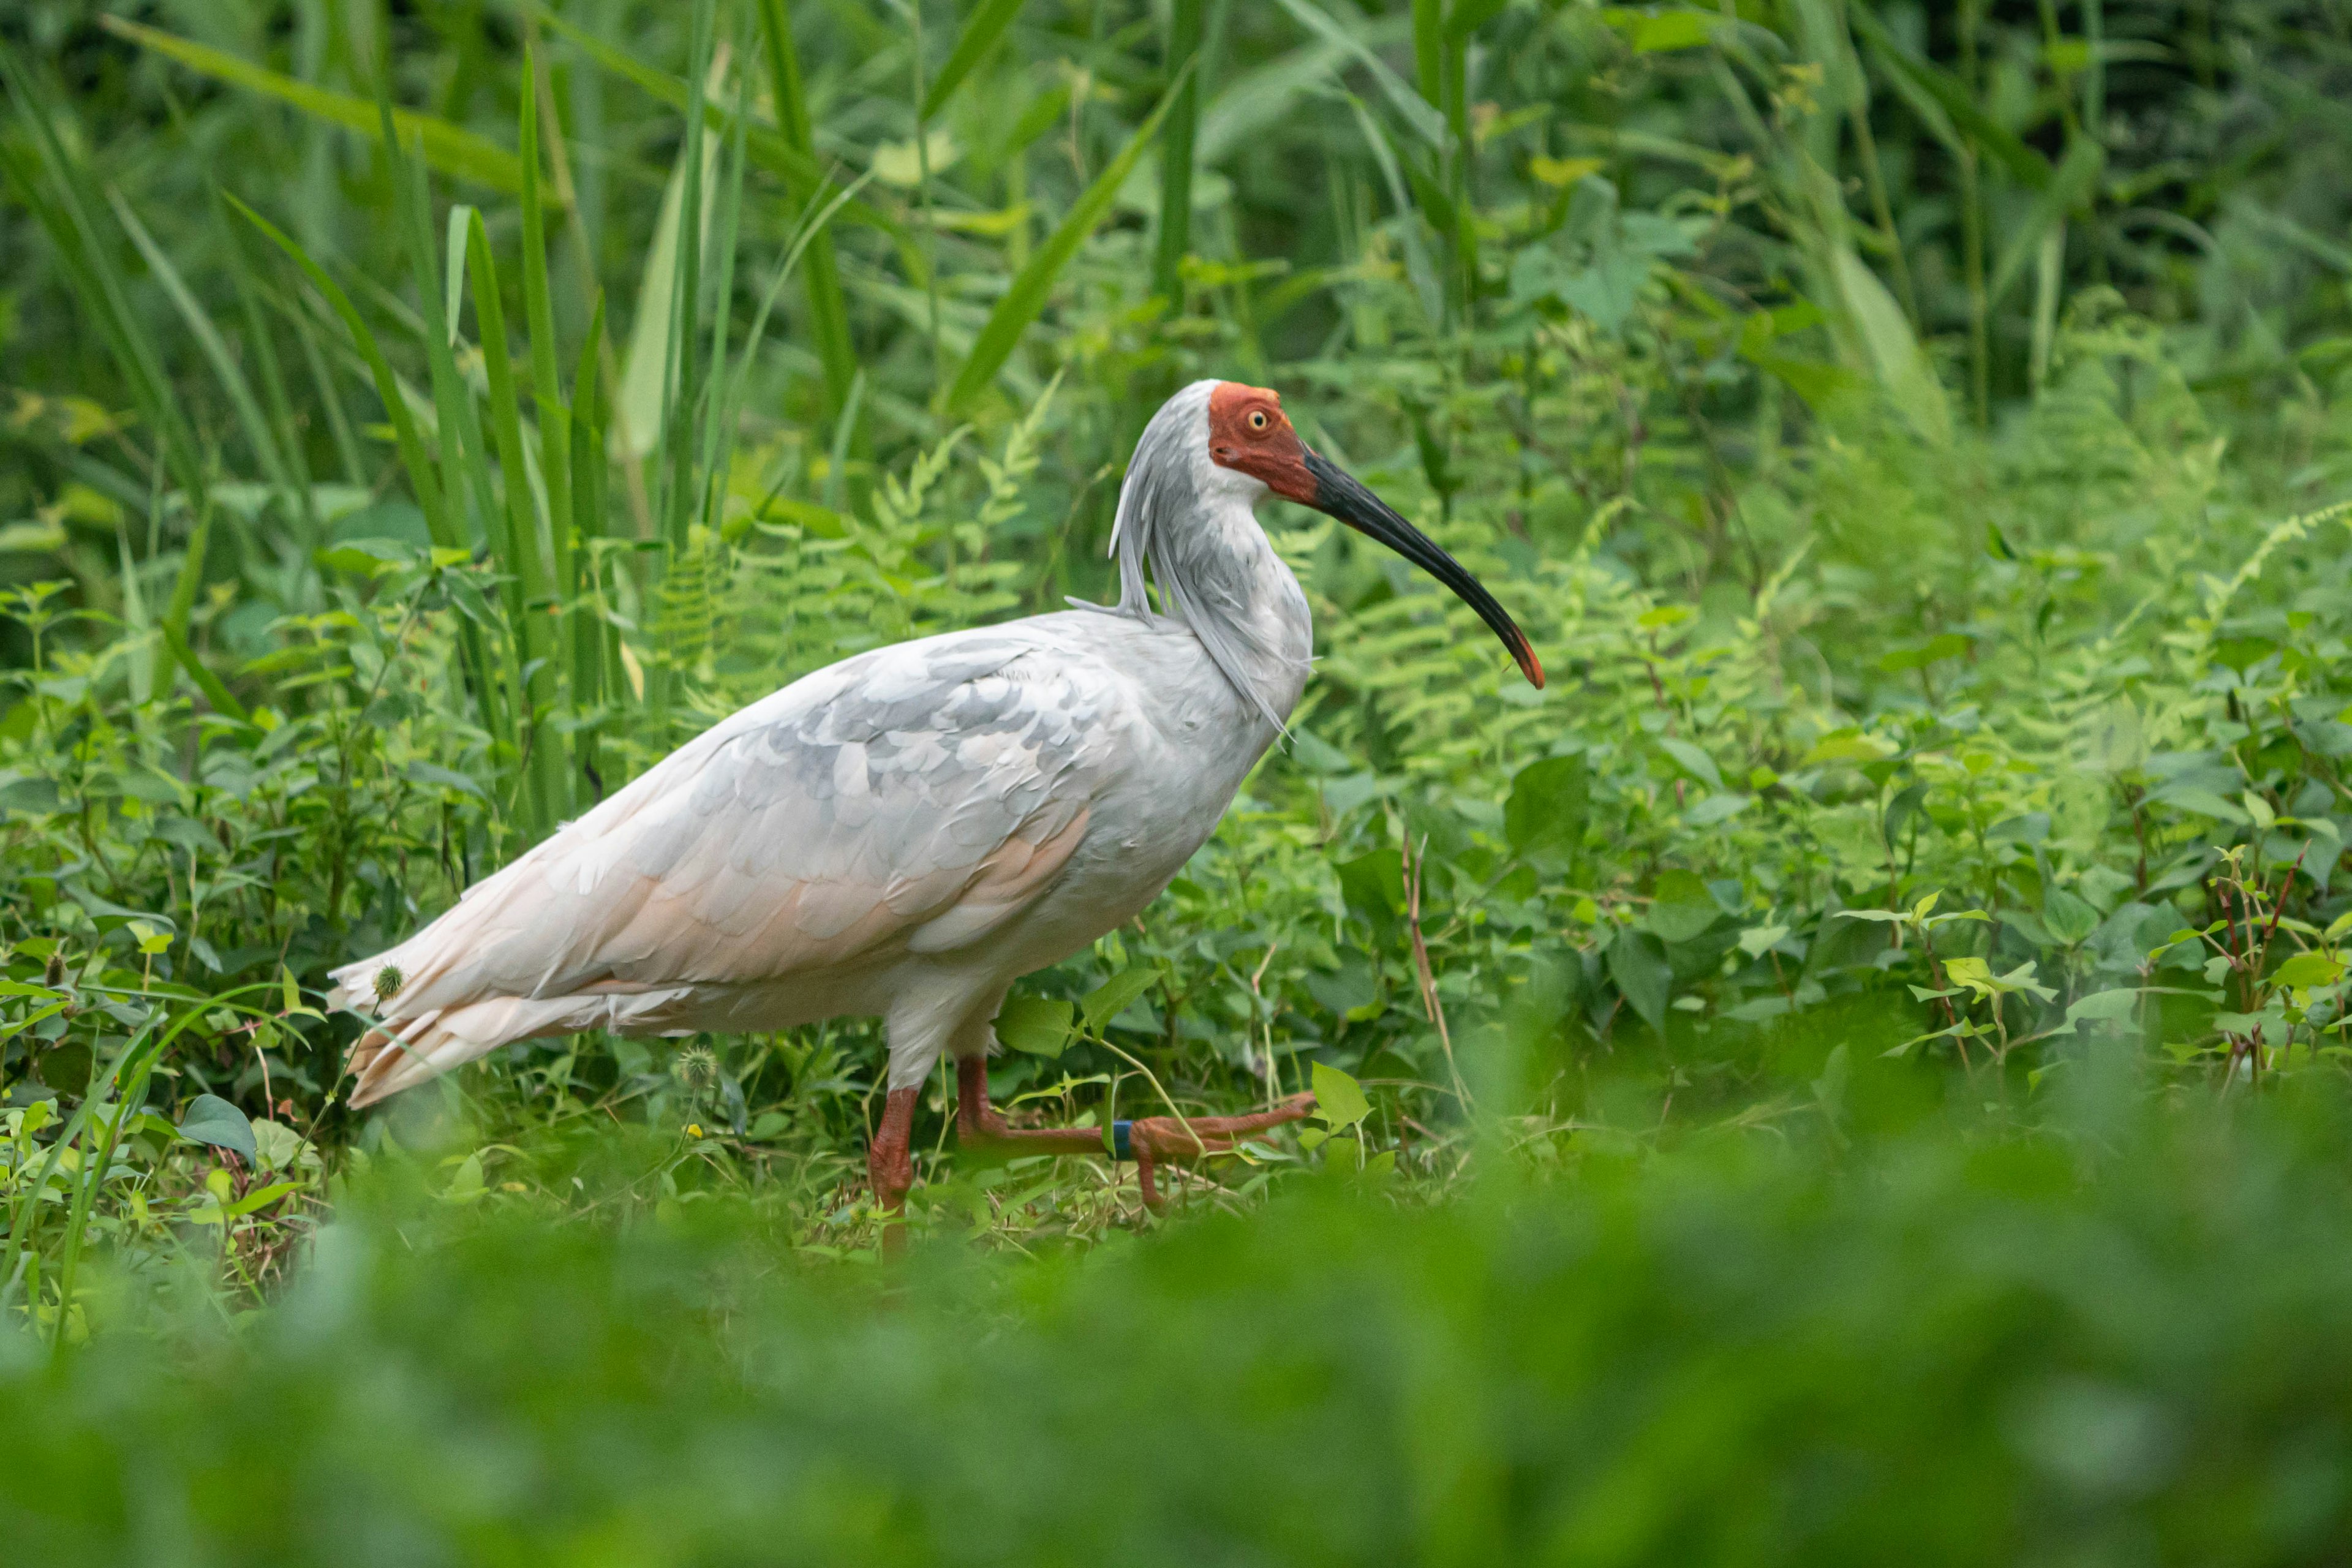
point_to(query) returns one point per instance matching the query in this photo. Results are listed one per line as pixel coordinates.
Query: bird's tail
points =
(432, 1015)
(399, 1053)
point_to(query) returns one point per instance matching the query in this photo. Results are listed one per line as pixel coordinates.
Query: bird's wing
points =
(911, 798)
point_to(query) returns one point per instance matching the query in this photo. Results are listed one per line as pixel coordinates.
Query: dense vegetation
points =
(1915, 438)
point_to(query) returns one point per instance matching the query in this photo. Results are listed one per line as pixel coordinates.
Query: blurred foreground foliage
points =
(1924, 1340)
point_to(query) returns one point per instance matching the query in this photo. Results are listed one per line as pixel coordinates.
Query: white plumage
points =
(906, 833)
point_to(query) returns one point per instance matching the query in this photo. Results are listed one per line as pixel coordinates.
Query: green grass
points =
(2121, 1338)
(1873, 1084)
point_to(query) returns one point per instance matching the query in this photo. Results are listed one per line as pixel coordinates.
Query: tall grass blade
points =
(532, 600)
(829, 306)
(258, 434)
(593, 650)
(1176, 150)
(554, 420)
(464, 478)
(423, 482)
(799, 168)
(1419, 113)
(49, 185)
(1026, 297)
(448, 148)
(980, 34)
(644, 366)
(2076, 177)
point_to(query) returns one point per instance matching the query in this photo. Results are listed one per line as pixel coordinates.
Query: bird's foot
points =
(1150, 1141)
(1156, 1140)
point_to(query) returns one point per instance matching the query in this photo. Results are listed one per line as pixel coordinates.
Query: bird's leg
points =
(979, 1126)
(891, 1165)
(1148, 1141)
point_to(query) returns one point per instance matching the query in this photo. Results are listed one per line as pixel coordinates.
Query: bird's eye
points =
(1257, 419)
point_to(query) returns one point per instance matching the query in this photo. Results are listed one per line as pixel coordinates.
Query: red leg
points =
(890, 1166)
(978, 1125)
(1163, 1138)
(1149, 1141)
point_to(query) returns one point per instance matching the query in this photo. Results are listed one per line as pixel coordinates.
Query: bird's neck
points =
(1226, 581)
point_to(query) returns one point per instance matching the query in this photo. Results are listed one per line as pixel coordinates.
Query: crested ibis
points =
(906, 833)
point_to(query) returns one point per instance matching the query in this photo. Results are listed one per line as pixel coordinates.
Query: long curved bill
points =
(1337, 492)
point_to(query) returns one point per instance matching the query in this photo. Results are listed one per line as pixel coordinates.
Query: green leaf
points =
(1637, 962)
(1693, 761)
(1036, 1025)
(1894, 351)
(2202, 802)
(1952, 96)
(2308, 969)
(1934, 651)
(465, 1184)
(1681, 907)
(765, 144)
(2071, 918)
(1026, 297)
(447, 148)
(1655, 32)
(260, 1198)
(2102, 1005)
(1110, 999)
(1549, 803)
(1339, 1099)
(214, 1121)
(2068, 189)
(979, 36)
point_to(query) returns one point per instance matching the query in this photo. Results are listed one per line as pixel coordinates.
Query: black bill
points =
(1337, 492)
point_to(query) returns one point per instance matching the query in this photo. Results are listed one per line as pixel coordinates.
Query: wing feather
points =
(908, 799)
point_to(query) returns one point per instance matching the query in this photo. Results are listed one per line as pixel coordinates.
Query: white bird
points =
(906, 833)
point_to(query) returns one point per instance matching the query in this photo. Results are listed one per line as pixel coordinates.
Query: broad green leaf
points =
(2069, 918)
(1037, 1024)
(1026, 297)
(1847, 746)
(1681, 907)
(467, 1184)
(1933, 651)
(1549, 803)
(1693, 761)
(447, 148)
(258, 1198)
(1110, 999)
(2308, 969)
(1715, 808)
(2104, 1006)
(1638, 965)
(214, 1121)
(2202, 802)
(1339, 1099)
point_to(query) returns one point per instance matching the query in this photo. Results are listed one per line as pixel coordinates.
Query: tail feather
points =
(400, 1053)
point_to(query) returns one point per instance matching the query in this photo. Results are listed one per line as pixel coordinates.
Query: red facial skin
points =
(1248, 432)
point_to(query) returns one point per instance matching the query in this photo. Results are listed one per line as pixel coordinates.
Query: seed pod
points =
(388, 981)
(54, 976)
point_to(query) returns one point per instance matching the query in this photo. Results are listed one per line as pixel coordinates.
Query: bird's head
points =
(1248, 434)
